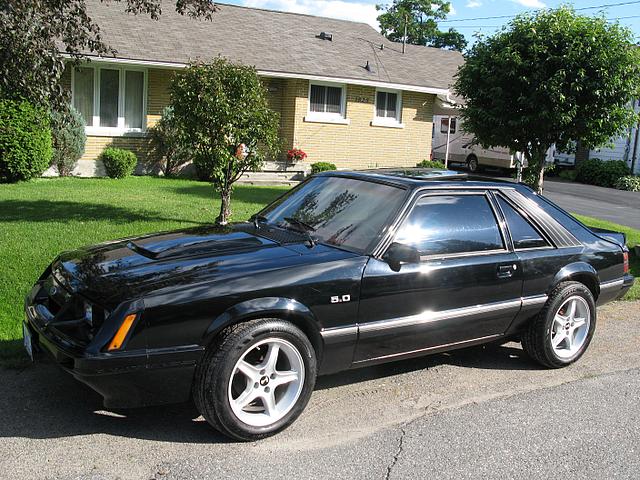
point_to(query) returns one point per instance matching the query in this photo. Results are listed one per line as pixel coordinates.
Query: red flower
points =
(295, 155)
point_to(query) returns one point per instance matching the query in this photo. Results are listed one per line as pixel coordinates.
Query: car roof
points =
(413, 178)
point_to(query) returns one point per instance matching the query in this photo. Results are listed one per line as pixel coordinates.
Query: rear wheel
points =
(562, 331)
(472, 164)
(256, 379)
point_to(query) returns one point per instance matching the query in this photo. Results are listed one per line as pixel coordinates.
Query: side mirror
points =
(398, 254)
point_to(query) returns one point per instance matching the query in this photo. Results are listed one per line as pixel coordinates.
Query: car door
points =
(464, 283)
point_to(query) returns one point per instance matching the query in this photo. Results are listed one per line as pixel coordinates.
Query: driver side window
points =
(451, 224)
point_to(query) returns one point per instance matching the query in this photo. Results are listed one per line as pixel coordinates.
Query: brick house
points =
(345, 94)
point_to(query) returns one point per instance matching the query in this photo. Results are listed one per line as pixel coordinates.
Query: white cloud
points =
(356, 11)
(452, 11)
(473, 4)
(531, 3)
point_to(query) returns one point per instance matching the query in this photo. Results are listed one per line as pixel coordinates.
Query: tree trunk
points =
(225, 207)
(540, 186)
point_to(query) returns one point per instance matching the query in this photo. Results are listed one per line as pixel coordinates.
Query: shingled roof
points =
(279, 43)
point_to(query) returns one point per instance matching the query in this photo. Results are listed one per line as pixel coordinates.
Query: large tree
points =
(222, 111)
(552, 77)
(420, 18)
(34, 34)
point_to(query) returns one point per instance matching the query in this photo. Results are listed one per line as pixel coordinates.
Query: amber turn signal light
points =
(122, 332)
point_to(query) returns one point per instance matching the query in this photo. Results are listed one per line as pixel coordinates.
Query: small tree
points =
(168, 149)
(419, 18)
(69, 138)
(221, 109)
(547, 78)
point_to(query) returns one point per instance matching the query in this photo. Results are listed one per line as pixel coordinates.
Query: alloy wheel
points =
(570, 327)
(266, 382)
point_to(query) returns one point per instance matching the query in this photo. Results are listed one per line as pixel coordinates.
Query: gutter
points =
(276, 74)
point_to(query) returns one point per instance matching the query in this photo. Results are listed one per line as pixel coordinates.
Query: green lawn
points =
(41, 218)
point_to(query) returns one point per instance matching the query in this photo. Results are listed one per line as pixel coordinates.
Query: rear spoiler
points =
(615, 237)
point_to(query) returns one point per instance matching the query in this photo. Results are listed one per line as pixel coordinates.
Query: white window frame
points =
(326, 117)
(386, 121)
(119, 130)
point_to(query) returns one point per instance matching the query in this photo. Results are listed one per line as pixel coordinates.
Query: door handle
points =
(506, 271)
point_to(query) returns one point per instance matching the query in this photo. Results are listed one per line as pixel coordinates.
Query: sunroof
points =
(423, 173)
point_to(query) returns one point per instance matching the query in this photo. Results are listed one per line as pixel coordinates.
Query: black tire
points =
(536, 339)
(472, 164)
(214, 372)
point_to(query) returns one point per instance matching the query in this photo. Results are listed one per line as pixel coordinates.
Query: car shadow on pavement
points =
(41, 401)
(487, 357)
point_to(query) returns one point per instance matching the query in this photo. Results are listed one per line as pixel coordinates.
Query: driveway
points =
(617, 206)
(474, 413)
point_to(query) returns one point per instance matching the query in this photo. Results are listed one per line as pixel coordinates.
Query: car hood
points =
(127, 269)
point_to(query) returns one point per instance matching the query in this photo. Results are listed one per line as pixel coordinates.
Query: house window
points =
(388, 108)
(444, 125)
(326, 103)
(110, 99)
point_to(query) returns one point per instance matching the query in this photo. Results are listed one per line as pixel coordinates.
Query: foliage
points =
(168, 148)
(296, 155)
(568, 174)
(420, 17)
(44, 217)
(604, 174)
(322, 167)
(221, 108)
(628, 182)
(430, 164)
(118, 163)
(550, 77)
(25, 141)
(34, 33)
(69, 138)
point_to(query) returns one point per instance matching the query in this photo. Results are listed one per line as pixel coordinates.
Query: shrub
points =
(118, 163)
(69, 138)
(629, 182)
(604, 174)
(25, 141)
(322, 167)
(168, 150)
(430, 164)
(568, 174)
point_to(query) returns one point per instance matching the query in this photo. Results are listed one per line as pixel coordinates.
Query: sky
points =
(466, 15)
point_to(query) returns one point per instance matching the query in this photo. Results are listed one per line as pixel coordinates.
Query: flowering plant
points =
(295, 155)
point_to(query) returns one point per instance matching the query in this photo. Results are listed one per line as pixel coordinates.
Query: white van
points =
(462, 148)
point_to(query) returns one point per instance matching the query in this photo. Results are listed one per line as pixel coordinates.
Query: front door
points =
(466, 284)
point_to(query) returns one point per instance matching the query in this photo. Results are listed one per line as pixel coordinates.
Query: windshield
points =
(339, 211)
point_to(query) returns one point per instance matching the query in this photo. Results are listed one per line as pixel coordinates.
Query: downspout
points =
(446, 152)
(634, 156)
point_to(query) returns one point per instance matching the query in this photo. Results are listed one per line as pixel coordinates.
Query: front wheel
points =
(256, 379)
(562, 331)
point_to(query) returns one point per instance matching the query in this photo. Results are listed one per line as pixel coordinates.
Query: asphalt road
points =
(476, 413)
(617, 206)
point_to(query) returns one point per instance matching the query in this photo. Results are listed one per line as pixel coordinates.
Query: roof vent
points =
(326, 36)
(368, 67)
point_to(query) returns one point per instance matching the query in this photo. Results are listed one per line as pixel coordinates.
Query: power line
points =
(511, 16)
(498, 26)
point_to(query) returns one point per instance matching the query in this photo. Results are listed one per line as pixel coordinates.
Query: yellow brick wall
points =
(359, 144)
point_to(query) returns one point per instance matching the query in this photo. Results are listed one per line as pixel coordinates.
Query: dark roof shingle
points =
(273, 42)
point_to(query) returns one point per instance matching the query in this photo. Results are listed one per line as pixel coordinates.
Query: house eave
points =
(276, 74)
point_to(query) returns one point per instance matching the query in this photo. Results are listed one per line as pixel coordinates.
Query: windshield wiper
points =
(258, 219)
(302, 227)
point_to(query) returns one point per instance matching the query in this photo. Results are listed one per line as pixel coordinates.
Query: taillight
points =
(625, 262)
(121, 334)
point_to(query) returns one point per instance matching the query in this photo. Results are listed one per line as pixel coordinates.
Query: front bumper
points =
(124, 379)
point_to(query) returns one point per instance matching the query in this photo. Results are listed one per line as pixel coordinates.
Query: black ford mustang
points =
(345, 270)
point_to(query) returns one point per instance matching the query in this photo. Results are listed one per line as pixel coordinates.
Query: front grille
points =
(69, 315)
